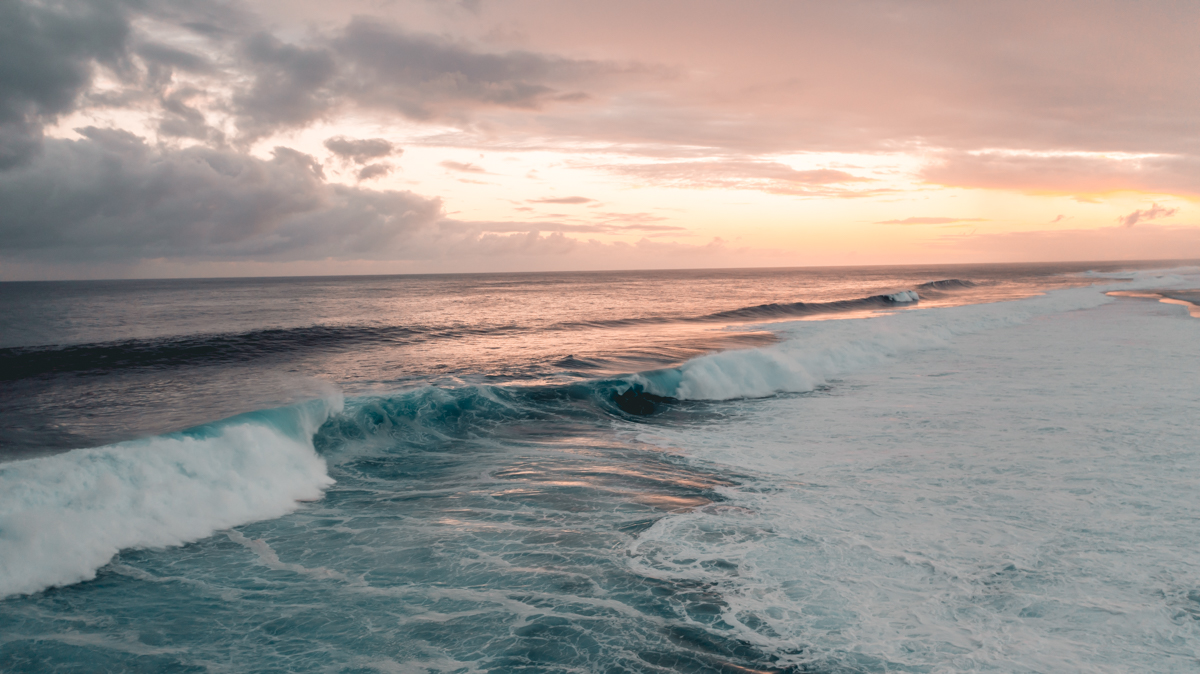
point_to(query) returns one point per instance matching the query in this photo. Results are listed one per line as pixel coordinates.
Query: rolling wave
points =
(768, 311)
(18, 363)
(169, 352)
(947, 284)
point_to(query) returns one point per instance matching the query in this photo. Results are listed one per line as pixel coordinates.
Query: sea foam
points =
(1021, 501)
(63, 517)
(812, 352)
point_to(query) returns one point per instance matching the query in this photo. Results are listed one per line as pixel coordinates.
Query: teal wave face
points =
(485, 528)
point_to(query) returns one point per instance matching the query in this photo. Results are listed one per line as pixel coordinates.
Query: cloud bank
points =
(111, 196)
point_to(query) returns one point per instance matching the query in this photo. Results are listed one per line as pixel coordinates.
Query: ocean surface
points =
(878, 469)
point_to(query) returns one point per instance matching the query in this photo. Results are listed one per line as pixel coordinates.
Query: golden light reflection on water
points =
(1184, 298)
(659, 488)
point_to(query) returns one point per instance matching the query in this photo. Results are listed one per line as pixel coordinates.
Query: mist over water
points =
(620, 471)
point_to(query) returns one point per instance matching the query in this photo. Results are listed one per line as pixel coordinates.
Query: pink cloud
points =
(1155, 212)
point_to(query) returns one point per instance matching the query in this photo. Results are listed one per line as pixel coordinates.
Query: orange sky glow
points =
(435, 136)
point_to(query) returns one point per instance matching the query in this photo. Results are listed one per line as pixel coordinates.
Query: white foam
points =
(63, 517)
(814, 351)
(1022, 500)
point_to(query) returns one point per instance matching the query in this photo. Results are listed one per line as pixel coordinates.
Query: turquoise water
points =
(538, 505)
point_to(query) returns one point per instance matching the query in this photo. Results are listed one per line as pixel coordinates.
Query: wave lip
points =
(63, 517)
(795, 309)
(947, 284)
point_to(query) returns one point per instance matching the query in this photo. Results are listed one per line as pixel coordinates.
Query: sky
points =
(144, 138)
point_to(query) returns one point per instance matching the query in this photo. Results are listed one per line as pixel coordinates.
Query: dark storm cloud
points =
(111, 196)
(360, 151)
(46, 52)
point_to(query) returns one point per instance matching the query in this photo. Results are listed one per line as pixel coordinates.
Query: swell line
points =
(24, 362)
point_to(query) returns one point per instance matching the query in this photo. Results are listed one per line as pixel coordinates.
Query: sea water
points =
(980, 468)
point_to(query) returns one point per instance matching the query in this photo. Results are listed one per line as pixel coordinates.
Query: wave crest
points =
(63, 517)
(947, 284)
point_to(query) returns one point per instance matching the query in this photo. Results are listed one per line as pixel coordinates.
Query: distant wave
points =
(767, 311)
(167, 352)
(171, 352)
(947, 284)
(764, 311)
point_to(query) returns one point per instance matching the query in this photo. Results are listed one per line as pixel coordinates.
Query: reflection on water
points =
(1189, 299)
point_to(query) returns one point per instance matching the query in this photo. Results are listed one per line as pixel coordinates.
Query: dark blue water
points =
(438, 473)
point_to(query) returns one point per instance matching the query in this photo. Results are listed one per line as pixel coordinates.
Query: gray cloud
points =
(373, 171)
(180, 120)
(159, 54)
(292, 86)
(361, 151)
(1155, 212)
(111, 196)
(372, 64)
(46, 57)
(424, 77)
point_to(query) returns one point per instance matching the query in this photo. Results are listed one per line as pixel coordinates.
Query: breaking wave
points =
(63, 517)
(810, 353)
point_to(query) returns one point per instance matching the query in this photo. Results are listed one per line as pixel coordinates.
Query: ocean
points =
(877, 469)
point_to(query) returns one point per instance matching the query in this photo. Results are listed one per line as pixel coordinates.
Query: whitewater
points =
(921, 483)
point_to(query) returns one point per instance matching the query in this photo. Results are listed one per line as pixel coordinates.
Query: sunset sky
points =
(151, 139)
